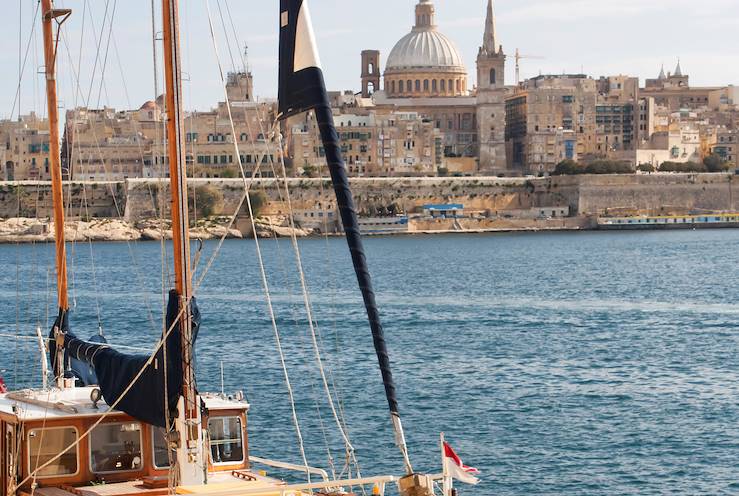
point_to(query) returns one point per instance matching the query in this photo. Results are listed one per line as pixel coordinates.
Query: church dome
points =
(425, 49)
(425, 63)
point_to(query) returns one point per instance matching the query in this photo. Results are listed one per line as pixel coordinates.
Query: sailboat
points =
(118, 425)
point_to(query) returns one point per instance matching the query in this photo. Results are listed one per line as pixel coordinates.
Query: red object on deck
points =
(3, 388)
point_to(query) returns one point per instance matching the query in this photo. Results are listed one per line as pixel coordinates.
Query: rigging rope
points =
(262, 269)
(22, 65)
(338, 416)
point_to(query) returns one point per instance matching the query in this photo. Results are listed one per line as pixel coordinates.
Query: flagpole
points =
(446, 481)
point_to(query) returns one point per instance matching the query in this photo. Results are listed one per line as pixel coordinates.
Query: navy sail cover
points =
(302, 86)
(146, 400)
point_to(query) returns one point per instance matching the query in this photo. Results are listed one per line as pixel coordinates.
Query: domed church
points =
(425, 62)
(425, 73)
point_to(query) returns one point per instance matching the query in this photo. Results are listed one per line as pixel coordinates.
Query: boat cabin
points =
(38, 425)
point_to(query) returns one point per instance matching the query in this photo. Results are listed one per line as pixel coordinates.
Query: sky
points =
(597, 37)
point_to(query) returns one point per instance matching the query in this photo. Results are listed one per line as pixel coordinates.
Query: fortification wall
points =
(139, 199)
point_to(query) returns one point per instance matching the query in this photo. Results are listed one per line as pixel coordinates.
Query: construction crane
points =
(518, 63)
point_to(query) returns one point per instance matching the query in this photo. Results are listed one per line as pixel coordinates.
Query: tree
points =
(568, 168)
(608, 167)
(715, 163)
(205, 201)
(682, 167)
(645, 167)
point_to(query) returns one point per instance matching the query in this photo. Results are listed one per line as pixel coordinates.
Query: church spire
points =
(662, 75)
(678, 69)
(490, 41)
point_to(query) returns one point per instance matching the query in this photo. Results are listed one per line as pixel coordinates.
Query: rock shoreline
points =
(29, 230)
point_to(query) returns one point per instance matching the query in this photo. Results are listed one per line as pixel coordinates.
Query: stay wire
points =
(262, 269)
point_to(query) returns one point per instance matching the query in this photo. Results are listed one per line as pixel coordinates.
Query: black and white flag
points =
(301, 79)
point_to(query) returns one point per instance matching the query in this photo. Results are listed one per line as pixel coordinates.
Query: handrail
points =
(290, 466)
(292, 489)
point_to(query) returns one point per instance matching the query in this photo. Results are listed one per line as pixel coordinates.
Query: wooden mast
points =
(190, 456)
(49, 14)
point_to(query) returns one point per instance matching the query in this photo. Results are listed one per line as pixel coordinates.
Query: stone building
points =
(539, 109)
(374, 144)
(727, 146)
(24, 149)
(426, 75)
(107, 144)
(491, 93)
(673, 90)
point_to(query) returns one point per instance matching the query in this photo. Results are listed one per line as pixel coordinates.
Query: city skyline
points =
(563, 29)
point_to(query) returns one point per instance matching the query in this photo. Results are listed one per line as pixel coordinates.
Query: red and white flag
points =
(453, 467)
(3, 388)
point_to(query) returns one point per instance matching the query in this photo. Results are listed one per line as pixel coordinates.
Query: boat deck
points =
(232, 483)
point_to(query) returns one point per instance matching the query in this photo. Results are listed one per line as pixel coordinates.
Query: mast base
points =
(416, 485)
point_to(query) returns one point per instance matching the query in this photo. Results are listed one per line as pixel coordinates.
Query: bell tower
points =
(491, 94)
(370, 72)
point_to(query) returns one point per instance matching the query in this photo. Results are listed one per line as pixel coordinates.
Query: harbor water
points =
(557, 364)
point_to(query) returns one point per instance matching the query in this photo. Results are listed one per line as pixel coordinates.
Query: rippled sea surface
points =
(588, 364)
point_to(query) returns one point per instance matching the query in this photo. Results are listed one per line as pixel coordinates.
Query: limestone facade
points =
(24, 148)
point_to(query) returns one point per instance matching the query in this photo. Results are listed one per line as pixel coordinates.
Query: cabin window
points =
(46, 444)
(226, 443)
(115, 448)
(159, 445)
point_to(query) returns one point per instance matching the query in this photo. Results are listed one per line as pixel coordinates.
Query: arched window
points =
(409, 86)
(451, 85)
(493, 79)
(443, 85)
(371, 68)
(370, 88)
(418, 85)
(392, 87)
(434, 85)
(425, 85)
(401, 86)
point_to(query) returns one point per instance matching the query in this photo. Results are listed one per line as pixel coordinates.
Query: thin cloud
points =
(577, 10)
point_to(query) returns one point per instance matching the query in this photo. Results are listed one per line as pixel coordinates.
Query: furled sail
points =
(115, 371)
(302, 88)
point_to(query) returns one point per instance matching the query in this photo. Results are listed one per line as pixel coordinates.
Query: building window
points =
(451, 85)
(392, 87)
(493, 78)
(400, 84)
(433, 85)
(409, 86)
(116, 448)
(46, 444)
(418, 85)
(425, 85)
(443, 85)
(226, 444)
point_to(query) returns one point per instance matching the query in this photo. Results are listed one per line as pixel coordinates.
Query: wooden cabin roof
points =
(37, 404)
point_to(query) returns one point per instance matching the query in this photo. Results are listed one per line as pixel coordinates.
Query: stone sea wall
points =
(140, 199)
